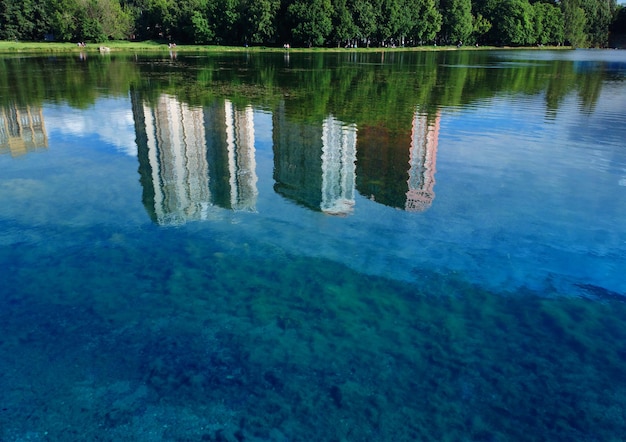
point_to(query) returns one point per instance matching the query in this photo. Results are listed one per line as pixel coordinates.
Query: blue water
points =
(270, 293)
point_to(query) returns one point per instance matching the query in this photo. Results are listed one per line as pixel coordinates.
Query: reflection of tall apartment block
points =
(314, 164)
(241, 157)
(173, 162)
(297, 159)
(422, 161)
(338, 167)
(232, 155)
(395, 166)
(21, 129)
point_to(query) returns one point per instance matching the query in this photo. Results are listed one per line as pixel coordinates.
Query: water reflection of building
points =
(314, 164)
(242, 178)
(396, 167)
(21, 129)
(422, 162)
(172, 157)
(192, 159)
(338, 167)
(232, 156)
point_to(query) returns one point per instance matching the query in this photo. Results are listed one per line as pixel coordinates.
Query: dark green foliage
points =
(311, 21)
(549, 26)
(22, 19)
(619, 23)
(457, 23)
(575, 23)
(344, 27)
(360, 23)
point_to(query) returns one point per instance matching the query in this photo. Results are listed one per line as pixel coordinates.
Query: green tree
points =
(389, 21)
(599, 14)
(457, 20)
(226, 14)
(63, 15)
(312, 21)
(192, 22)
(408, 19)
(200, 29)
(343, 27)
(618, 26)
(22, 19)
(100, 20)
(548, 24)
(426, 20)
(365, 19)
(541, 34)
(480, 28)
(259, 19)
(513, 22)
(574, 22)
(158, 18)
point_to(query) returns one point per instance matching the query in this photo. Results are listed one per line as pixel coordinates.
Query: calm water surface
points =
(302, 247)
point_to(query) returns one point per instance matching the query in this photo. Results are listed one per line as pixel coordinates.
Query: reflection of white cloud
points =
(263, 127)
(111, 119)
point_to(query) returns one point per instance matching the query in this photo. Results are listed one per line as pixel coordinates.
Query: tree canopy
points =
(351, 23)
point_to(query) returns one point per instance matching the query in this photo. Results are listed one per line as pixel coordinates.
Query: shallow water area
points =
(273, 247)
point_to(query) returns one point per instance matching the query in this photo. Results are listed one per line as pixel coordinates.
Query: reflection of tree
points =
(590, 85)
(64, 78)
(376, 92)
(370, 89)
(397, 168)
(21, 129)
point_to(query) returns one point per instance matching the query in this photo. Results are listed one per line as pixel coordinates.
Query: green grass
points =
(38, 47)
(119, 46)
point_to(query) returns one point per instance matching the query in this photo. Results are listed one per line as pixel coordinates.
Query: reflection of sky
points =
(522, 199)
(110, 120)
(536, 198)
(578, 56)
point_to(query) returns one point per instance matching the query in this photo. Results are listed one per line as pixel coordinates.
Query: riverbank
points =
(145, 46)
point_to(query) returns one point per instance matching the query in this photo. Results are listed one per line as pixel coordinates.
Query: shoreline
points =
(8, 47)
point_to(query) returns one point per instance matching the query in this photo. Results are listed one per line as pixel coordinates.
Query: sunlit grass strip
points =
(43, 47)
(12, 46)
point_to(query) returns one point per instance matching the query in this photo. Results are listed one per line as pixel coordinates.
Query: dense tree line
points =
(353, 23)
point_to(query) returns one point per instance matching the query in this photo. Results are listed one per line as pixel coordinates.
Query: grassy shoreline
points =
(10, 47)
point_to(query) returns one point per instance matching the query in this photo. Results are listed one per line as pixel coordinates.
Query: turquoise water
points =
(251, 265)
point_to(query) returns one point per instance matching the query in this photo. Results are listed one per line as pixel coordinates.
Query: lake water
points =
(391, 246)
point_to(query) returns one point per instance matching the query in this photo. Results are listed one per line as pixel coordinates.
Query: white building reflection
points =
(179, 147)
(314, 163)
(176, 156)
(396, 163)
(242, 175)
(22, 129)
(422, 162)
(338, 167)
(195, 160)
